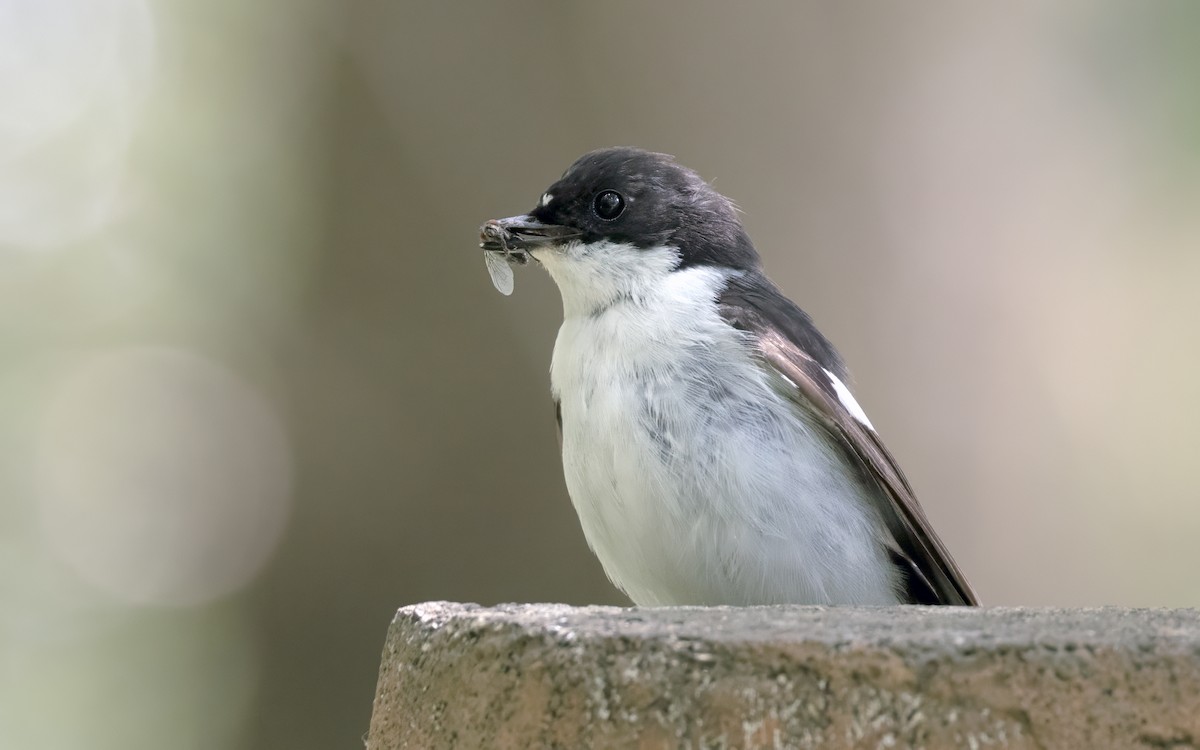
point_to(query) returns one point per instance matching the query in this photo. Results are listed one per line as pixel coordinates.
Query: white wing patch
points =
(848, 401)
(546, 198)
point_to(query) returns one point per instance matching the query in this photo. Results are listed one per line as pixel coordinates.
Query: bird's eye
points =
(608, 204)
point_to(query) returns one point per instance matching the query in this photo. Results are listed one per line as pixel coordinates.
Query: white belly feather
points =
(695, 481)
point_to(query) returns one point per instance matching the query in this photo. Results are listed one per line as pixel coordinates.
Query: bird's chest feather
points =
(684, 464)
(649, 400)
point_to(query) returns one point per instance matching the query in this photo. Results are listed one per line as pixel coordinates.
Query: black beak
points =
(521, 233)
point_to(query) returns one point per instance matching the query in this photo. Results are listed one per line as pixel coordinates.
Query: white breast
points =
(695, 481)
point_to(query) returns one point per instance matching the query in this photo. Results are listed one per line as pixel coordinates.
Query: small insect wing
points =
(500, 271)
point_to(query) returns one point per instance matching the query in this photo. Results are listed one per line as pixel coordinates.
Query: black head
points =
(645, 199)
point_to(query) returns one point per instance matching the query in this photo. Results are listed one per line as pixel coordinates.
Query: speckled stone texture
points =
(552, 676)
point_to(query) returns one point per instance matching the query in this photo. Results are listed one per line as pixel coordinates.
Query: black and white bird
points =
(710, 445)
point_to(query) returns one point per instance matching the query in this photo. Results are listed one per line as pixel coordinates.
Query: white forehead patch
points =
(546, 198)
(847, 399)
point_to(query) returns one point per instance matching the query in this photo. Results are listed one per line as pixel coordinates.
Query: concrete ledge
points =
(533, 676)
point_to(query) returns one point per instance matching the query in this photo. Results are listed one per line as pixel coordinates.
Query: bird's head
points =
(620, 220)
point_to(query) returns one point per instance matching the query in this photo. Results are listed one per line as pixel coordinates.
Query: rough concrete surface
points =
(534, 676)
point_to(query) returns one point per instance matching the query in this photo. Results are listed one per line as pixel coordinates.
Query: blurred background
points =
(257, 392)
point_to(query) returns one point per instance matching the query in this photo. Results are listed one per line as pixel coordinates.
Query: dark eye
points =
(608, 204)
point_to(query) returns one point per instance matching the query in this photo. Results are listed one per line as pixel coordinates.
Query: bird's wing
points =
(776, 327)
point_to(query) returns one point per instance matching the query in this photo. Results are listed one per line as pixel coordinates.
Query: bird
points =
(710, 445)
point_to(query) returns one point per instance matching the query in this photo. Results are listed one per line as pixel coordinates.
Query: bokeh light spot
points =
(162, 477)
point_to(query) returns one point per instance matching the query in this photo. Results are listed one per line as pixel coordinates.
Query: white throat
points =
(593, 276)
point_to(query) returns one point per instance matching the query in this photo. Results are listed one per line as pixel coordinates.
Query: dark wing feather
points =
(558, 422)
(928, 572)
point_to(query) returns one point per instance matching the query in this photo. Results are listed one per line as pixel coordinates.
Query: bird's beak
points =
(522, 233)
